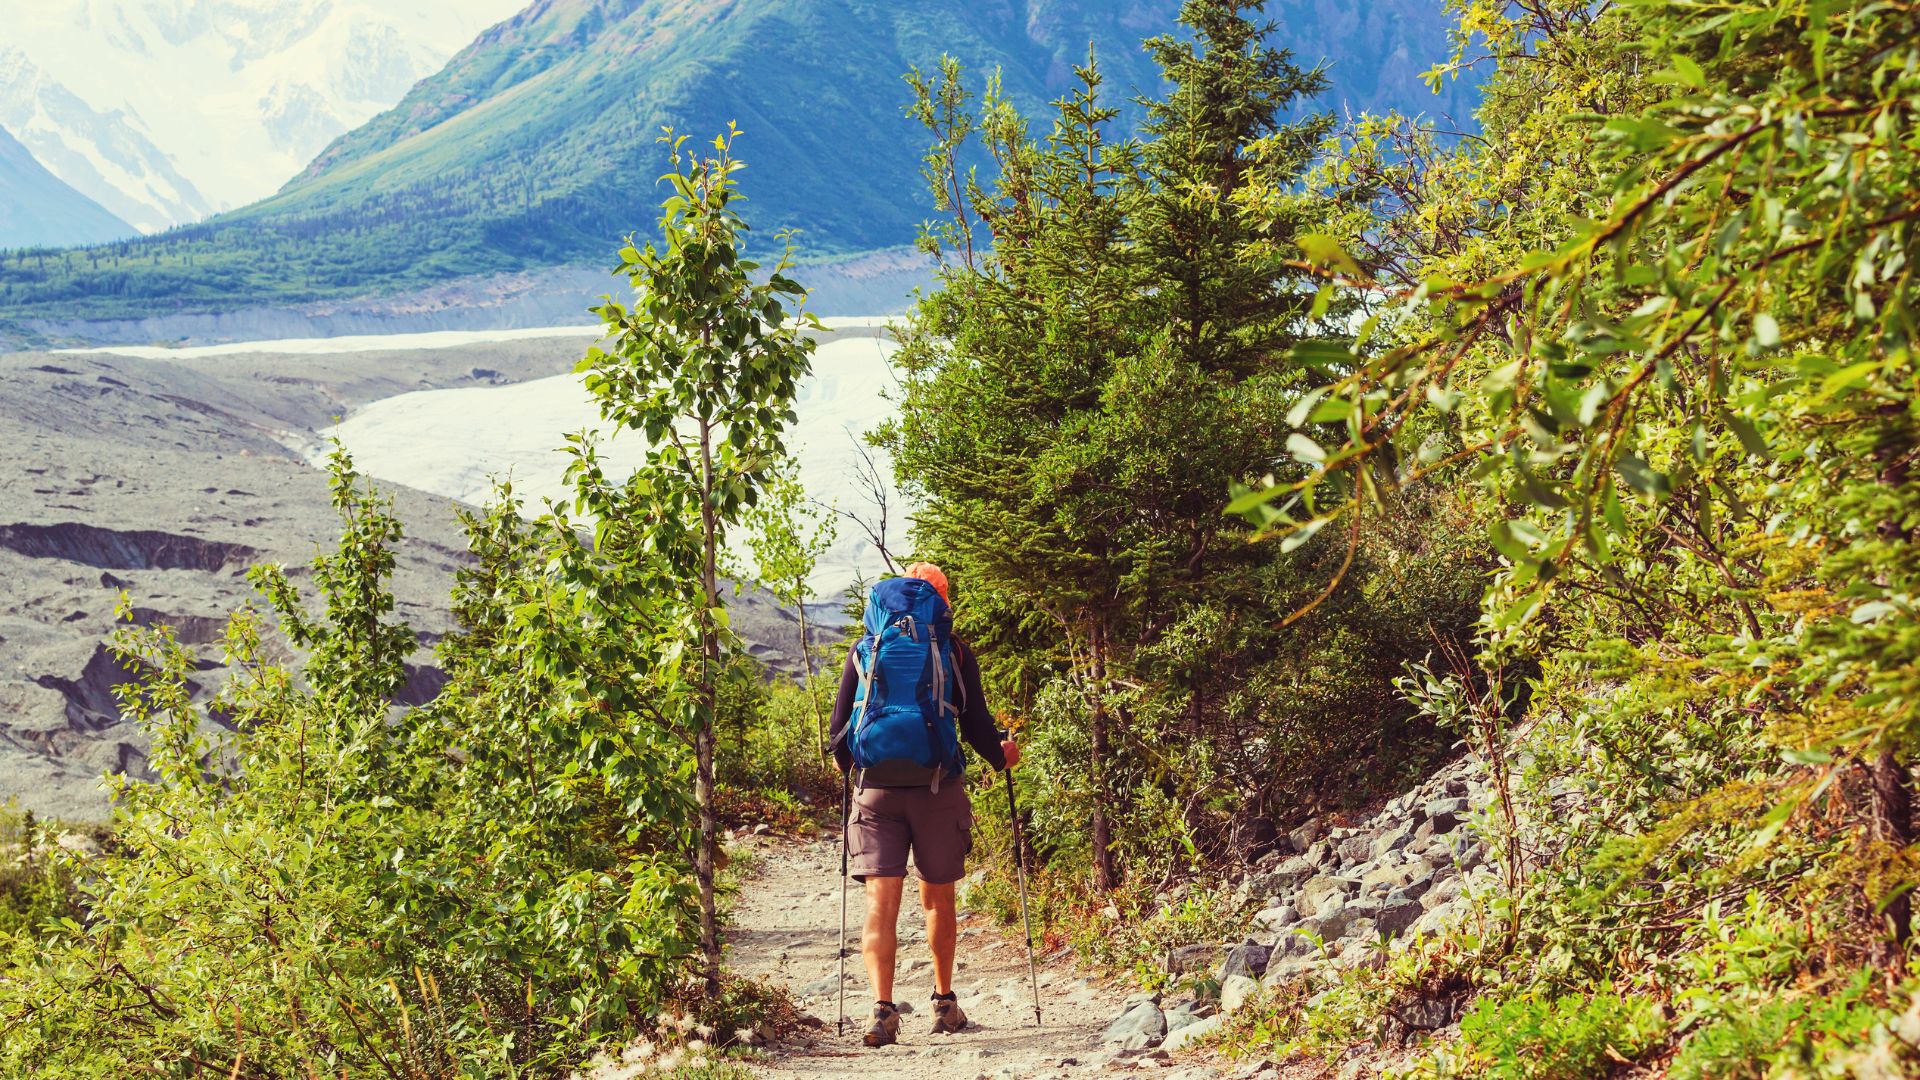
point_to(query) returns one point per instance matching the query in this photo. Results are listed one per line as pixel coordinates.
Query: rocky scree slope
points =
(1328, 899)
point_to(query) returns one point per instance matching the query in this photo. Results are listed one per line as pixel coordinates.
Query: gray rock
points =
(1288, 875)
(1446, 814)
(1293, 967)
(1357, 949)
(1289, 945)
(1235, 992)
(1327, 927)
(1276, 918)
(1425, 1014)
(1445, 888)
(1392, 841)
(1391, 876)
(1304, 836)
(1192, 1033)
(1416, 884)
(1325, 891)
(1189, 958)
(1354, 849)
(1248, 958)
(1141, 1026)
(1363, 907)
(1437, 920)
(1187, 1012)
(1319, 854)
(820, 987)
(1394, 916)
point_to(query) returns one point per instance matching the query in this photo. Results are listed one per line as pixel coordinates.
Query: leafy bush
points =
(1561, 1038)
(325, 884)
(1792, 1036)
(769, 757)
(36, 884)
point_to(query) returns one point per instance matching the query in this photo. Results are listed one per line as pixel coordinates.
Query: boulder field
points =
(1329, 898)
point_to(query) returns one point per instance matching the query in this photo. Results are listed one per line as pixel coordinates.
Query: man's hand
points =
(1012, 752)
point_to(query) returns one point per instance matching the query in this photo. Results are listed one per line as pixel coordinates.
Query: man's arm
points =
(976, 723)
(843, 711)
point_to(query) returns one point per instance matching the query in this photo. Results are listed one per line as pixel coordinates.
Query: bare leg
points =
(939, 903)
(878, 943)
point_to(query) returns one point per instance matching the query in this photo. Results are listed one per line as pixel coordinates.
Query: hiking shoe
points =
(886, 1025)
(947, 1017)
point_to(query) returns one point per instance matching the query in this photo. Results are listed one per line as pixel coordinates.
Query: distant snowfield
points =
(456, 442)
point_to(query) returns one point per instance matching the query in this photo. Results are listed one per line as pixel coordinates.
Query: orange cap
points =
(932, 575)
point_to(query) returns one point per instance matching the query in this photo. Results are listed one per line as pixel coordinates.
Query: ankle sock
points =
(948, 996)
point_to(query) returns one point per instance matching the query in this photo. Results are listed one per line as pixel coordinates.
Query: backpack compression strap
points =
(864, 698)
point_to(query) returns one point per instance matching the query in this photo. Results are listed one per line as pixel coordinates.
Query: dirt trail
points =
(784, 928)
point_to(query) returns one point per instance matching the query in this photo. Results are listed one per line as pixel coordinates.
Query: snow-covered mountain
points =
(164, 111)
(105, 154)
(36, 209)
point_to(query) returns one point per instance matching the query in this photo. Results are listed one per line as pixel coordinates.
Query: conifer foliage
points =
(1109, 351)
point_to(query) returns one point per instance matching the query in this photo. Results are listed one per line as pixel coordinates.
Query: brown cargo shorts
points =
(887, 822)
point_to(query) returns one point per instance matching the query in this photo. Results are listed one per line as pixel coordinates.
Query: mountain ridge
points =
(38, 209)
(535, 146)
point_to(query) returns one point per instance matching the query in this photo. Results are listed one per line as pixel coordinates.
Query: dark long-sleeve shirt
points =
(976, 723)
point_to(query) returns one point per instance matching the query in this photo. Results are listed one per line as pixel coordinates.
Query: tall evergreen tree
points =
(1083, 388)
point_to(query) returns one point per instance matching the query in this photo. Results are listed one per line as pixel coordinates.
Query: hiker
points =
(916, 689)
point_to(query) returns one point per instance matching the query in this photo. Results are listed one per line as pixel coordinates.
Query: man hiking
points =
(910, 691)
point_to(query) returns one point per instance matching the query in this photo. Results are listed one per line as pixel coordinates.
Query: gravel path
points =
(783, 928)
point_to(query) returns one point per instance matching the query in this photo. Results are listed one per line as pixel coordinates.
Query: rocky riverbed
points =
(165, 477)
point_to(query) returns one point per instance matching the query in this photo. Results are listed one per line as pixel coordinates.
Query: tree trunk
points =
(1893, 825)
(1892, 782)
(1106, 876)
(806, 661)
(705, 856)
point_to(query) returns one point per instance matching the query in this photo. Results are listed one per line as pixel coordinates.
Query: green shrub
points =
(1770, 1037)
(486, 885)
(36, 883)
(769, 757)
(1561, 1038)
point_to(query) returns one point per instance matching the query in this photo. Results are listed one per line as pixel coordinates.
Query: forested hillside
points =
(534, 147)
(1455, 596)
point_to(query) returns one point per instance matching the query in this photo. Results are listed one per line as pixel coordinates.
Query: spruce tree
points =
(1106, 355)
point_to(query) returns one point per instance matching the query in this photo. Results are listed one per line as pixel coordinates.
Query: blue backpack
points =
(904, 713)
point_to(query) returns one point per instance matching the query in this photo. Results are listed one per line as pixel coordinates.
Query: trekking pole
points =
(1020, 871)
(846, 802)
